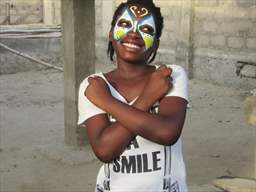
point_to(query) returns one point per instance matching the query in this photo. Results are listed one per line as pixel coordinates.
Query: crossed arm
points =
(109, 140)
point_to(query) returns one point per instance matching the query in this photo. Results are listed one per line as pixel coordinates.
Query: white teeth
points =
(131, 45)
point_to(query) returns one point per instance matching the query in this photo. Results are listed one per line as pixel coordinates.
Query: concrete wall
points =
(47, 49)
(224, 32)
(207, 37)
(21, 11)
(52, 12)
(30, 11)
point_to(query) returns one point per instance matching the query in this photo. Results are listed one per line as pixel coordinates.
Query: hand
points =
(98, 92)
(158, 84)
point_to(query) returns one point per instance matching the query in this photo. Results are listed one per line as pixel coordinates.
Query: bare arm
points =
(163, 128)
(109, 140)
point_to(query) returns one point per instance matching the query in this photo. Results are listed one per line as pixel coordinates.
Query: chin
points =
(138, 59)
(134, 57)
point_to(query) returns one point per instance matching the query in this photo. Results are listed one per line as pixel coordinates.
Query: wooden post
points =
(183, 51)
(107, 14)
(78, 21)
(7, 11)
(48, 12)
(51, 14)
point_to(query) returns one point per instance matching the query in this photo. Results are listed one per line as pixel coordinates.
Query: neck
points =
(128, 70)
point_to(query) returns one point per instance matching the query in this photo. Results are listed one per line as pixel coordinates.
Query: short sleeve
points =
(180, 82)
(86, 109)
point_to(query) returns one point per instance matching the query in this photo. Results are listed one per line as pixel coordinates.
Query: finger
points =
(90, 80)
(169, 83)
(170, 69)
(162, 67)
(166, 72)
(100, 80)
(170, 78)
(162, 70)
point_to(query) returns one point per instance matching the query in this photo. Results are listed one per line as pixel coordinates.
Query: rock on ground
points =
(236, 184)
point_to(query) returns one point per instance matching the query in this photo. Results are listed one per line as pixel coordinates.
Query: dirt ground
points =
(33, 157)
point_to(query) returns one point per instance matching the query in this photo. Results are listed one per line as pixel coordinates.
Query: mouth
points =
(131, 45)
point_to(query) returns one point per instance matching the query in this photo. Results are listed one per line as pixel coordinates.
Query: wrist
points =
(143, 103)
(108, 103)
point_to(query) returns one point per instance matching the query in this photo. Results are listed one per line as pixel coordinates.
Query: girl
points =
(134, 114)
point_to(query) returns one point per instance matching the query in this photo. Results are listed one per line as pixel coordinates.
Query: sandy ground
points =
(216, 140)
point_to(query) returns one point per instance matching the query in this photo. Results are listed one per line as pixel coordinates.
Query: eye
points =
(124, 23)
(147, 29)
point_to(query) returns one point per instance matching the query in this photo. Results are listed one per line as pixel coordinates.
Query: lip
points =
(132, 45)
(134, 42)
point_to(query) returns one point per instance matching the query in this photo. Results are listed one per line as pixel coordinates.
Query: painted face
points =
(139, 20)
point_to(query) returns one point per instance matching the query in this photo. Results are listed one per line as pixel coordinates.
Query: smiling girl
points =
(134, 115)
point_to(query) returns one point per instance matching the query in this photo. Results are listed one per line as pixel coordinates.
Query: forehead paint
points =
(139, 12)
(137, 17)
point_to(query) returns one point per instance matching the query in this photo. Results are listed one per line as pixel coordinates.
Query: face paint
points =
(137, 20)
(139, 12)
(123, 25)
(148, 40)
(144, 26)
(135, 28)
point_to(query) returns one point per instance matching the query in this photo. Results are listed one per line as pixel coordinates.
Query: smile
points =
(131, 45)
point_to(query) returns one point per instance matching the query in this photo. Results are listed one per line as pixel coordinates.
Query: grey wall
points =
(207, 37)
(47, 49)
(21, 11)
(224, 33)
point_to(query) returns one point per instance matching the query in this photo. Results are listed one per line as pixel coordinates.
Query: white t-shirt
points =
(144, 166)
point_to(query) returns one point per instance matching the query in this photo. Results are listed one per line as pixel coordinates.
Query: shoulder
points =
(86, 109)
(176, 69)
(84, 83)
(178, 73)
(179, 82)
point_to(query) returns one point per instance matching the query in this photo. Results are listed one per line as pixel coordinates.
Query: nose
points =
(134, 34)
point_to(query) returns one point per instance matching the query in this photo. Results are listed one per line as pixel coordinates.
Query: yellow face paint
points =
(119, 34)
(147, 37)
(136, 19)
(119, 30)
(148, 40)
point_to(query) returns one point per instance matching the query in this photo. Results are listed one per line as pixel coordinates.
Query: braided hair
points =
(159, 21)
